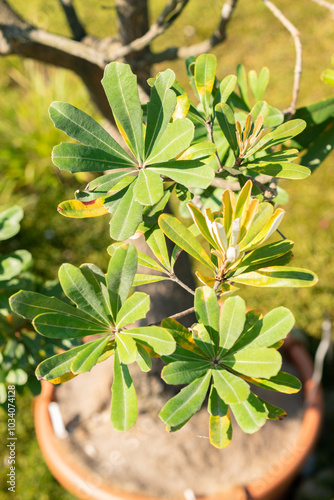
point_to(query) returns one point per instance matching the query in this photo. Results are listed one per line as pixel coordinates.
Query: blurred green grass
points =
(256, 39)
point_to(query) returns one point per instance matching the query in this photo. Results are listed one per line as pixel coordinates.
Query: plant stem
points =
(179, 282)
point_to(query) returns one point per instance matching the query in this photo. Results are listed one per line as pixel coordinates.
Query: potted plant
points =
(221, 158)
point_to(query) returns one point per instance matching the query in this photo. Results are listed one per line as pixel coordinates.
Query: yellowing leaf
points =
(81, 210)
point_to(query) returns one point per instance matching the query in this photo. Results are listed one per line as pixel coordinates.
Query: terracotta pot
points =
(270, 486)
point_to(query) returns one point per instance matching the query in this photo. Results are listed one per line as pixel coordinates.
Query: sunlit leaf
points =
(124, 407)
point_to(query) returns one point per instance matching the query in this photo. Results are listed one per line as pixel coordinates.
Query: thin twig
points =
(74, 23)
(179, 282)
(218, 36)
(167, 17)
(290, 111)
(209, 128)
(327, 5)
(323, 348)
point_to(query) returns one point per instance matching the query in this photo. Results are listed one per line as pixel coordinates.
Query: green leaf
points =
(146, 261)
(126, 347)
(176, 138)
(250, 414)
(156, 241)
(120, 86)
(261, 108)
(278, 276)
(278, 136)
(220, 431)
(274, 326)
(145, 279)
(31, 304)
(10, 222)
(225, 117)
(60, 364)
(261, 363)
(320, 149)
(187, 402)
(181, 334)
(230, 388)
(282, 170)
(80, 126)
(14, 263)
(97, 280)
(190, 173)
(242, 84)
(143, 359)
(226, 88)
(327, 76)
(127, 217)
(262, 217)
(231, 322)
(201, 223)
(159, 339)
(266, 253)
(216, 406)
(78, 158)
(198, 150)
(148, 189)
(275, 118)
(205, 73)
(160, 108)
(124, 407)
(203, 341)
(207, 311)
(274, 412)
(133, 309)
(184, 372)
(88, 357)
(178, 233)
(66, 326)
(121, 271)
(82, 292)
(259, 84)
(282, 382)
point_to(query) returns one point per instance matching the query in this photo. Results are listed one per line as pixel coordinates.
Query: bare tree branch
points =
(298, 47)
(74, 23)
(170, 13)
(217, 37)
(327, 5)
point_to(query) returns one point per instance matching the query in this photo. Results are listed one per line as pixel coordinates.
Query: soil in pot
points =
(146, 460)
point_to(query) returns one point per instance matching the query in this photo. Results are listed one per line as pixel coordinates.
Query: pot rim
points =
(269, 486)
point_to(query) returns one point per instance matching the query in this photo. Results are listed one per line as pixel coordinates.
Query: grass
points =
(256, 39)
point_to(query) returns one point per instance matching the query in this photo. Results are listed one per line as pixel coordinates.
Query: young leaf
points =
(250, 414)
(133, 309)
(178, 233)
(225, 117)
(242, 84)
(187, 402)
(207, 311)
(261, 362)
(176, 138)
(159, 339)
(205, 73)
(80, 126)
(127, 217)
(148, 189)
(226, 88)
(231, 322)
(160, 108)
(81, 292)
(121, 271)
(124, 407)
(230, 388)
(88, 357)
(184, 372)
(120, 86)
